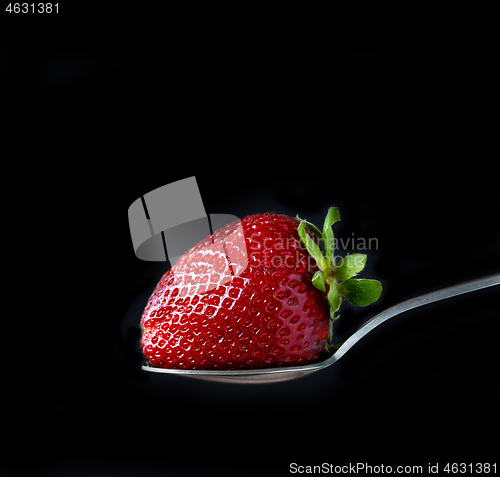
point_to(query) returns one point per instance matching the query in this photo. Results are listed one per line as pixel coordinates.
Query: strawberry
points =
(257, 293)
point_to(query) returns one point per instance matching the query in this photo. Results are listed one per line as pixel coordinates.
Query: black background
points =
(396, 131)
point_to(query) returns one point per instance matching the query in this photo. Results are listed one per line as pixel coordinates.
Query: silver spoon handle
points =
(449, 292)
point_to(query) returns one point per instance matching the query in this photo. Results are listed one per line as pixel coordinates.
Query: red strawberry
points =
(252, 295)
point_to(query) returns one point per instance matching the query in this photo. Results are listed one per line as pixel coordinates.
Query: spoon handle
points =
(449, 292)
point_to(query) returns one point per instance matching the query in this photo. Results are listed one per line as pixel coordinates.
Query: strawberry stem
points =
(338, 277)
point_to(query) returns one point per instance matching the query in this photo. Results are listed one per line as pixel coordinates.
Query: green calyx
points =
(336, 279)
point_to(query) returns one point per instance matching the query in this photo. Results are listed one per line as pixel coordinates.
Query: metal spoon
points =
(275, 375)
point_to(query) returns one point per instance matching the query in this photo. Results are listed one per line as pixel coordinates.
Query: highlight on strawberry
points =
(263, 291)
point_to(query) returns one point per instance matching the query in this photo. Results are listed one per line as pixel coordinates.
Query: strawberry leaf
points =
(311, 227)
(350, 266)
(333, 300)
(360, 291)
(318, 280)
(332, 216)
(311, 246)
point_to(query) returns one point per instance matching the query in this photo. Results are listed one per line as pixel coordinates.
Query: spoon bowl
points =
(276, 375)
